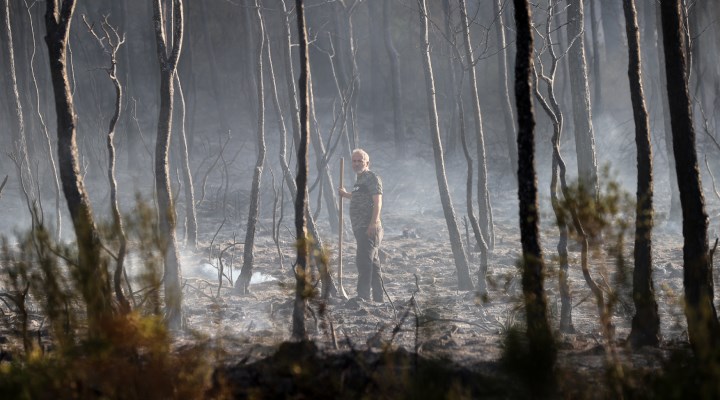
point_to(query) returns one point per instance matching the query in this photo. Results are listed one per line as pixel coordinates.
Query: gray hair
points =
(362, 153)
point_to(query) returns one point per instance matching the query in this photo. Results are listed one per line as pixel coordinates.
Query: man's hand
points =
(372, 230)
(344, 193)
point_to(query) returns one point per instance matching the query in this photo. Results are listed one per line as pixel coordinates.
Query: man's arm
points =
(375, 218)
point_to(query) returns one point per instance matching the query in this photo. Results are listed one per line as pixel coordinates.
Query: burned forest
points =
(351, 199)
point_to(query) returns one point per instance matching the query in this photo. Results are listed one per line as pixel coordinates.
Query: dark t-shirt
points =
(361, 205)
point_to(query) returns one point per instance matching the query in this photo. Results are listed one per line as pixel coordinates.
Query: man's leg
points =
(363, 261)
(376, 271)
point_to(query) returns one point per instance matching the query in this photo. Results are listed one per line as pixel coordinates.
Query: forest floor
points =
(425, 314)
(427, 339)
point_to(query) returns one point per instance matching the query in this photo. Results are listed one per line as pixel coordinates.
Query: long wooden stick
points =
(340, 234)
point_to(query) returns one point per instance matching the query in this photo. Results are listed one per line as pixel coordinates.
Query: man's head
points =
(360, 161)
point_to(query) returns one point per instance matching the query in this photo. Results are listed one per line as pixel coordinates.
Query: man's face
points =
(358, 164)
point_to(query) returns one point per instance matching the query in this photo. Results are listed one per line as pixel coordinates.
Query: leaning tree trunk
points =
(542, 346)
(302, 268)
(397, 101)
(483, 198)
(703, 326)
(507, 109)
(582, 119)
(646, 322)
(242, 284)
(166, 208)
(91, 270)
(675, 211)
(464, 280)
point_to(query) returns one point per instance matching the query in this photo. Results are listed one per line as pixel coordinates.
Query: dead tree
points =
(542, 346)
(646, 322)
(596, 57)
(302, 267)
(168, 57)
(551, 106)
(114, 42)
(703, 326)
(189, 188)
(481, 244)
(483, 198)
(675, 212)
(328, 286)
(46, 135)
(16, 122)
(397, 101)
(90, 270)
(242, 284)
(582, 117)
(507, 109)
(458, 249)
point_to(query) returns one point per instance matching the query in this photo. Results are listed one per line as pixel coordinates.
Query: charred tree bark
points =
(542, 347)
(168, 58)
(646, 322)
(703, 326)
(675, 211)
(36, 105)
(461, 264)
(302, 267)
(582, 117)
(507, 109)
(242, 284)
(483, 197)
(91, 270)
(328, 285)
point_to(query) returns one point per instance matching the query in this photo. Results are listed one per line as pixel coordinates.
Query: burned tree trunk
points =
(703, 326)
(507, 109)
(302, 267)
(328, 286)
(542, 347)
(464, 280)
(91, 270)
(675, 212)
(646, 322)
(242, 284)
(582, 119)
(189, 189)
(16, 123)
(168, 58)
(558, 180)
(482, 271)
(483, 199)
(114, 42)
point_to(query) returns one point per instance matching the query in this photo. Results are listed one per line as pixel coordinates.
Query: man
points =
(365, 206)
